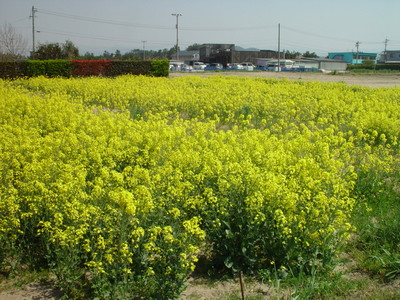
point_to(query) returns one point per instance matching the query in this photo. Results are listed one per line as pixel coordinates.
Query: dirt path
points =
(369, 80)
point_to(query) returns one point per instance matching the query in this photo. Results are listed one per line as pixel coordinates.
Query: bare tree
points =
(12, 44)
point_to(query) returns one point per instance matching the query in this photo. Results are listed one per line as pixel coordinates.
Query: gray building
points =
(227, 54)
(390, 57)
(323, 64)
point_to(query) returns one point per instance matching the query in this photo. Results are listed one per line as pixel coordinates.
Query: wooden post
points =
(241, 283)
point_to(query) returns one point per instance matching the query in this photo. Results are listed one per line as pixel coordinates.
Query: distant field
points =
(370, 80)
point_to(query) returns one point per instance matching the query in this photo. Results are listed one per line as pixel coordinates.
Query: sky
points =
(319, 26)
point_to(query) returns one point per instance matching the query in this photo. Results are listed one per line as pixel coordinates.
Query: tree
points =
(107, 55)
(117, 54)
(12, 44)
(292, 54)
(310, 54)
(193, 47)
(69, 50)
(49, 51)
(88, 56)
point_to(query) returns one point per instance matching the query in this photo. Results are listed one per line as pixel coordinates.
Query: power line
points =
(149, 26)
(316, 35)
(263, 27)
(97, 37)
(104, 21)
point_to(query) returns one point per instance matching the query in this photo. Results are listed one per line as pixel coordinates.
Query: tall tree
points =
(69, 50)
(12, 44)
(49, 51)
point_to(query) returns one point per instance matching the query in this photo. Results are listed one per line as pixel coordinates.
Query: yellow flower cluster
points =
(126, 179)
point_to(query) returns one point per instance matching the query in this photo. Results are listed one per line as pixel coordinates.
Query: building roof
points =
(320, 59)
(189, 53)
(353, 52)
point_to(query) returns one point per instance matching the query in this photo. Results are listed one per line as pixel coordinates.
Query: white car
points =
(235, 67)
(247, 66)
(186, 68)
(197, 65)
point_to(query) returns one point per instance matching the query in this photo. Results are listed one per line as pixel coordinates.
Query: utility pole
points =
(385, 53)
(357, 46)
(279, 47)
(144, 53)
(177, 34)
(34, 10)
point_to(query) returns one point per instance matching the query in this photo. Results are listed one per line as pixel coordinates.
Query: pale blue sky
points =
(319, 26)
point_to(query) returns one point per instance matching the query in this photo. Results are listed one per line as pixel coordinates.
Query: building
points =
(217, 53)
(228, 54)
(390, 57)
(322, 64)
(189, 56)
(252, 56)
(353, 57)
(303, 64)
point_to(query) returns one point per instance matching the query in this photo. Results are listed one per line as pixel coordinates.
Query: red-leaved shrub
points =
(91, 67)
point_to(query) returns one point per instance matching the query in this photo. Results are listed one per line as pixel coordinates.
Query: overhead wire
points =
(150, 26)
(97, 37)
(104, 21)
(183, 28)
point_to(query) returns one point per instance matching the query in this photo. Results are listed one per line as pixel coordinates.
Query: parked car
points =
(198, 65)
(174, 67)
(214, 67)
(247, 66)
(186, 68)
(235, 67)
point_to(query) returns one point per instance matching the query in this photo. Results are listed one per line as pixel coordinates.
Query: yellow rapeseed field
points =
(117, 185)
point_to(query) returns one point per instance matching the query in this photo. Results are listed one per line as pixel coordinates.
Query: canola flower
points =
(123, 182)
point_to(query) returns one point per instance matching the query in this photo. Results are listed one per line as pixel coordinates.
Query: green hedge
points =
(393, 67)
(13, 69)
(390, 67)
(160, 68)
(50, 68)
(68, 68)
(157, 68)
(130, 67)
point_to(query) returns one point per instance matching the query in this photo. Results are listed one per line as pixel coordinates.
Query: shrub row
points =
(67, 68)
(391, 67)
(13, 69)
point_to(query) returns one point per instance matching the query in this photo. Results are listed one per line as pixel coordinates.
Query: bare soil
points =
(366, 80)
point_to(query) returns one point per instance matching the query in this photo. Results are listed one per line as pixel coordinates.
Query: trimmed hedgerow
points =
(49, 68)
(13, 69)
(160, 68)
(134, 67)
(91, 67)
(82, 68)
